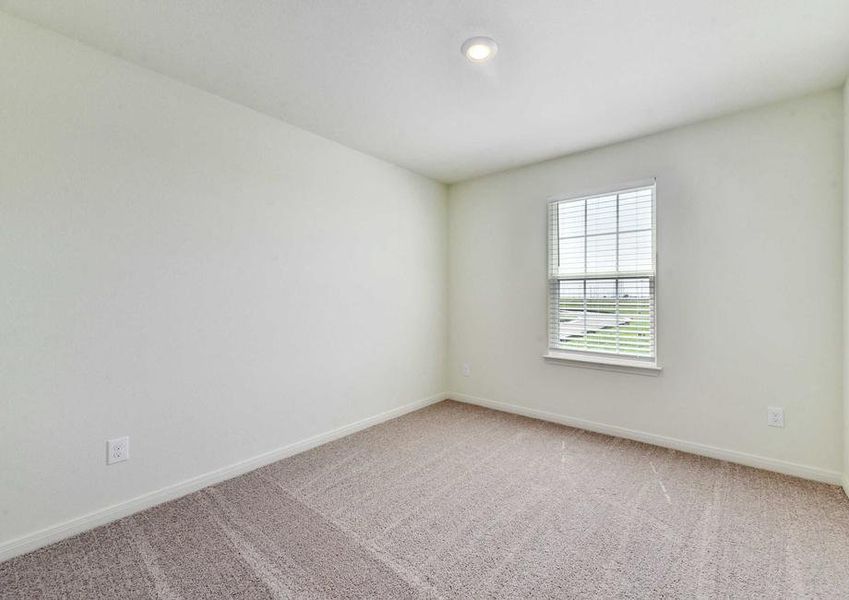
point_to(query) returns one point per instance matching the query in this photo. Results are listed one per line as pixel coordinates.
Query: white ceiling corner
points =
(387, 76)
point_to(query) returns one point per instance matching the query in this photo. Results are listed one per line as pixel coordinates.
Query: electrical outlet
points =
(117, 450)
(775, 416)
(467, 370)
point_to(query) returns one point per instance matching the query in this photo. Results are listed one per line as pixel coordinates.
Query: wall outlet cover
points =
(775, 416)
(117, 450)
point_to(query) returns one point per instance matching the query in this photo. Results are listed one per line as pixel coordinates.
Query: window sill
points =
(604, 362)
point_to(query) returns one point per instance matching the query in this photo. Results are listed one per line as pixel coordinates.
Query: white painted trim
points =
(607, 363)
(66, 529)
(742, 458)
(846, 483)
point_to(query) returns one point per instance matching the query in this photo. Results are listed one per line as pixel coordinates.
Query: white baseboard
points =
(66, 529)
(743, 458)
(846, 483)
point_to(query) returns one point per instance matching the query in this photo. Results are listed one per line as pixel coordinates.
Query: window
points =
(602, 277)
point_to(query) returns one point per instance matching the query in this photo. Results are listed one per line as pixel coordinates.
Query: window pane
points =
(635, 210)
(571, 219)
(606, 315)
(571, 309)
(571, 256)
(601, 253)
(601, 315)
(601, 215)
(636, 308)
(636, 251)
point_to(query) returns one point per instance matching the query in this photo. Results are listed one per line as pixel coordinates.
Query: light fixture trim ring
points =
(479, 49)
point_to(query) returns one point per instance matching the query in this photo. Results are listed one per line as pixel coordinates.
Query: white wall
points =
(846, 286)
(749, 279)
(205, 279)
(176, 267)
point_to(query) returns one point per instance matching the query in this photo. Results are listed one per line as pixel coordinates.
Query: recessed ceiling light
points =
(479, 49)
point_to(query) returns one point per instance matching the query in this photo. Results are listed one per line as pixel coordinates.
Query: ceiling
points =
(387, 76)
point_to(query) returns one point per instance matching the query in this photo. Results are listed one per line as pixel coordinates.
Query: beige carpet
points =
(456, 501)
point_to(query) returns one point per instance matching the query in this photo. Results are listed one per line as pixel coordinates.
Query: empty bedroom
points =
(448, 300)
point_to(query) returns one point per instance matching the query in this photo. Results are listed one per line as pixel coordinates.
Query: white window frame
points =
(589, 358)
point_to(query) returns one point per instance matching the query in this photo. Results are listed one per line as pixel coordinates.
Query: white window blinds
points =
(602, 274)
